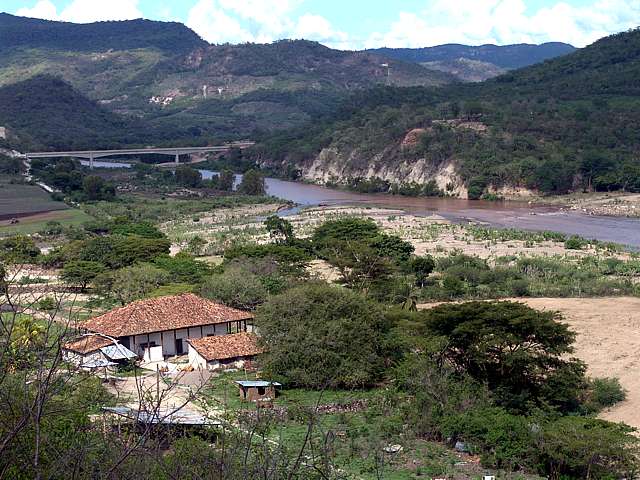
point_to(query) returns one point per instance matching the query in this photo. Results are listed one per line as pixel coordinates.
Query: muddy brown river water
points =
(503, 214)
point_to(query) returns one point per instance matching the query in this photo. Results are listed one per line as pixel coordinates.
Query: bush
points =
(579, 447)
(604, 392)
(575, 243)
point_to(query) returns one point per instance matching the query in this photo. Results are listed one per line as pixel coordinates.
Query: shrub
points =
(575, 243)
(604, 392)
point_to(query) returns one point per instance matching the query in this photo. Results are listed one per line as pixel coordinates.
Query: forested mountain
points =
(31, 33)
(157, 69)
(46, 113)
(570, 123)
(479, 63)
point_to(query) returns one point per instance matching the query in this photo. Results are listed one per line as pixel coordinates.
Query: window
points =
(261, 391)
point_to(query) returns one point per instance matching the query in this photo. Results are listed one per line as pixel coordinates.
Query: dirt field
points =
(608, 340)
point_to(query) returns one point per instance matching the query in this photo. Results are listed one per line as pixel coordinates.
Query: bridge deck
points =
(92, 154)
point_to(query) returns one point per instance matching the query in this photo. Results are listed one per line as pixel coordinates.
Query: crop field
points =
(34, 223)
(18, 200)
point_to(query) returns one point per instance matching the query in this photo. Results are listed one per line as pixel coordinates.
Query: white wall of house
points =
(168, 338)
(199, 363)
(196, 360)
(153, 354)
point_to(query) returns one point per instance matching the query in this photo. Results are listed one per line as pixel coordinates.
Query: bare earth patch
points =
(607, 340)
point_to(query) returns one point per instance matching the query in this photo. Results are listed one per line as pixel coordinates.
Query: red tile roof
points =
(220, 347)
(87, 344)
(162, 314)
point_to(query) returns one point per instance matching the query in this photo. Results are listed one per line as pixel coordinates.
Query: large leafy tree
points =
(519, 352)
(252, 183)
(81, 273)
(323, 336)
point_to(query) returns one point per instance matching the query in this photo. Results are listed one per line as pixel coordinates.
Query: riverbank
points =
(610, 204)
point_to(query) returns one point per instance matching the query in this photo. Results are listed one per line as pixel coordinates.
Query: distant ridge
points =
(95, 37)
(504, 56)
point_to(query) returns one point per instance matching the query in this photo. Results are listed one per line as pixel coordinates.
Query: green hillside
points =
(156, 69)
(570, 123)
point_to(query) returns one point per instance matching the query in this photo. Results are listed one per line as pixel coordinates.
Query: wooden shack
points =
(257, 390)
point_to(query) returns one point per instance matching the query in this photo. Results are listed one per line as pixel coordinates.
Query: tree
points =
(322, 336)
(519, 352)
(392, 247)
(252, 183)
(96, 188)
(188, 176)
(11, 165)
(136, 282)
(279, 229)
(117, 251)
(422, 268)
(226, 179)
(359, 264)
(344, 229)
(81, 273)
(183, 267)
(18, 249)
(235, 288)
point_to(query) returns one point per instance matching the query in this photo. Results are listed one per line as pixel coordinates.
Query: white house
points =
(160, 327)
(237, 350)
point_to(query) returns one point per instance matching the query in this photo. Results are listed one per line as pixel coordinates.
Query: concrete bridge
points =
(91, 155)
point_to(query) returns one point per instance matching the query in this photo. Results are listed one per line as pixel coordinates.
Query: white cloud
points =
(316, 27)
(43, 9)
(506, 21)
(209, 21)
(84, 11)
(260, 21)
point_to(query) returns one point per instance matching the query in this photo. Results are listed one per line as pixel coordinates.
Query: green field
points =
(35, 223)
(19, 199)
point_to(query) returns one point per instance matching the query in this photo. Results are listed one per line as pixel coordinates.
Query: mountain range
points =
(375, 120)
(165, 73)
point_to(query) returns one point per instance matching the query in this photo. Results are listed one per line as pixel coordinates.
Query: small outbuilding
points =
(257, 390)
(96, 351)
(220, 352)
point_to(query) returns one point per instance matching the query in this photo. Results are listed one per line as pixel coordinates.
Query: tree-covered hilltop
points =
(172, 37)
(567, 124)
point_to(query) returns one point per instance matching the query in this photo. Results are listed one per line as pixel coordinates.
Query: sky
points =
(358, 24)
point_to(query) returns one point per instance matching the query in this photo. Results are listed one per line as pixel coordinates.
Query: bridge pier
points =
(91, 161)
(177, 158)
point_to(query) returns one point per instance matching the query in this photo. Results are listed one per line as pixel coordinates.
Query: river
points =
(503, 214)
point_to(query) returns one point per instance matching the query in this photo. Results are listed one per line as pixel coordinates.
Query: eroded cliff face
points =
(331, 166)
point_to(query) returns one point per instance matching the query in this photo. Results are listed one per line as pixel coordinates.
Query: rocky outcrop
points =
(331, 166)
